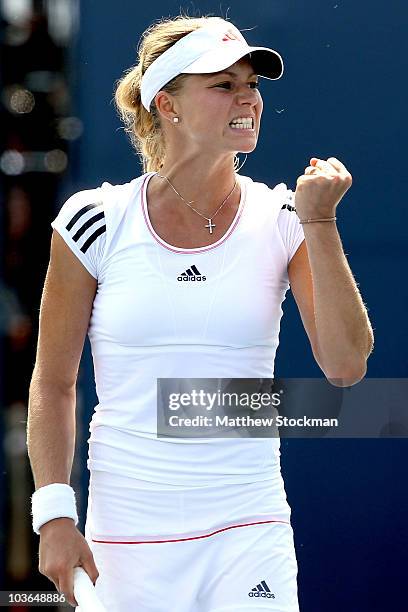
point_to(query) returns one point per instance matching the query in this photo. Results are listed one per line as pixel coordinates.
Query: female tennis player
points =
(181, 273)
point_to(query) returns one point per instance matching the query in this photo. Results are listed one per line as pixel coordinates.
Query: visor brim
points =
(266, 62)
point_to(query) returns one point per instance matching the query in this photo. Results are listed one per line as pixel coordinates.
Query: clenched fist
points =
(321, 187)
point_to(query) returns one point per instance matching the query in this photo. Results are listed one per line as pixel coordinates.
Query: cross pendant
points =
(210, 226)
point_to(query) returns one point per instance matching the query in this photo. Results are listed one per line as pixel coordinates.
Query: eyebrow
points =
(230, 73)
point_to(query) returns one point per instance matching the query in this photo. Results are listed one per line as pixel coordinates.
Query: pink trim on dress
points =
(198, 249)
(113, 539)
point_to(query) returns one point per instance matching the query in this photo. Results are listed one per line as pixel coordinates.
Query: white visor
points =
(212, 48)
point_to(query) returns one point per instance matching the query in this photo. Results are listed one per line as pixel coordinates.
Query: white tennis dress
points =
(183, 524)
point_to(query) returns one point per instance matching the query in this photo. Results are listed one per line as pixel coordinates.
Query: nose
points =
(248, 95)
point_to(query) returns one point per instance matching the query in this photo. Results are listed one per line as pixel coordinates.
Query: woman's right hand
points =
(63, 547)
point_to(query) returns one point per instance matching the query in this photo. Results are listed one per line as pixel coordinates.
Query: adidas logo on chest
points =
(261, 590)
(191, 275)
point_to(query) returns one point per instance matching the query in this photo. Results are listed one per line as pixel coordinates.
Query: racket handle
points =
(84, 592)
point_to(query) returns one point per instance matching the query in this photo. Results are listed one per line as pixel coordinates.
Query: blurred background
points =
(344, 95)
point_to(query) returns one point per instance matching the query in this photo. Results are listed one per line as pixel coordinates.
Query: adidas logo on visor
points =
(261, 590)
(230, 35)
(191, 274)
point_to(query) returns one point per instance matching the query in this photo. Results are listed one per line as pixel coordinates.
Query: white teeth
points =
(242, 123)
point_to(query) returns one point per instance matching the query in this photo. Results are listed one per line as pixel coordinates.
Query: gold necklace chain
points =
(210, 225)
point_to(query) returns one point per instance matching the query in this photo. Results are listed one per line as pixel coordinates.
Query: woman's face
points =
(208, 103)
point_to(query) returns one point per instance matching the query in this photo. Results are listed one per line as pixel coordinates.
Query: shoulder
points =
(106, 190)
(79, 212)
(278, 206)
(279, 193)
(96, 202)
(88, 219)
(123, 188)
(114, 195)
(278, 199)
(288, 200)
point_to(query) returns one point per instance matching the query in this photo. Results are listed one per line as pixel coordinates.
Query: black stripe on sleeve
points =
(289, 207)
(79, 214)
(87, 225)
(92, 238)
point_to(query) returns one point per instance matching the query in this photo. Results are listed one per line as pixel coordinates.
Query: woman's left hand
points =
(321, 187)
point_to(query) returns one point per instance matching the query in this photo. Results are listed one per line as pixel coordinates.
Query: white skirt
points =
(191, 549)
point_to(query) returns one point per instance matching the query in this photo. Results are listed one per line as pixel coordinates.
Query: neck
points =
(207, 184)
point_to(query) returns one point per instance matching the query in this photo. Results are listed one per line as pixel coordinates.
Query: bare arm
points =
(330, 305)
(323, 285)
(66, 307)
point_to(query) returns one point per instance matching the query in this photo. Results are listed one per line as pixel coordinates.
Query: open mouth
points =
(246, 123)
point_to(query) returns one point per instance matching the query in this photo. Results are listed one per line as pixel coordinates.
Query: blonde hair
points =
(144, 128)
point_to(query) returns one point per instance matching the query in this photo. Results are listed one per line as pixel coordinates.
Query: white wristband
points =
(52, 501)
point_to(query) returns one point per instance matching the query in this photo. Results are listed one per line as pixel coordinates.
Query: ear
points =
(165, 105)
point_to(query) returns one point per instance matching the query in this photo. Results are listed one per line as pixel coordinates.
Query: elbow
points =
(347, 370)
(347, 376)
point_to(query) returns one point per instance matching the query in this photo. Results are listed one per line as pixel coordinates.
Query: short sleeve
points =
(81, 223)
(289, 225)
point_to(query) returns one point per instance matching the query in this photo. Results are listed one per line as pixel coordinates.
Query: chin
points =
(247, 149)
